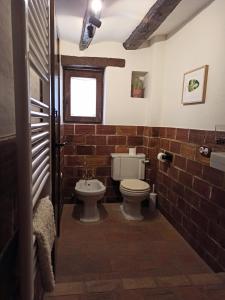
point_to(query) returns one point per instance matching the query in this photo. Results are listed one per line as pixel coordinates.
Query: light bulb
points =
(96, 6)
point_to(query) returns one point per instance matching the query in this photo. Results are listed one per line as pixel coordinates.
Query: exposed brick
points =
(222, 258)
(135, 140)
(192, 198)
(182, 134)
(173, 172)
(78, 139)
(162, 190)
(156, 131)
(146, 131)
(68, 129)
(105, 129)
(85, 150)
(69, 150)
(176, 214)
(98, 160)
(145, 141)
(121, 149)
(103, 171)
(207, 243)
(214, 176)
(126, 130)
(200, 158)
(68, 172)
(188, 151)
(194, 168)
(105, 150)
(74, 160)
(140, 130)
(180, 162)
(165, 144)
(161, 132)
(96, 140)
(153, 142)
(199, 219)
(201, 187)
(210, 137)
(209, 210)
(217, 233)
(84, 129)
(185, 179)
(171, 133)
(197, 136)
(175, 147)
(178, 188)
(218, 197)
(117, 140)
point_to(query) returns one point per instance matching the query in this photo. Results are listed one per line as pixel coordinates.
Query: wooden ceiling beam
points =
(93, 62)
(85, 40)
(150, 23)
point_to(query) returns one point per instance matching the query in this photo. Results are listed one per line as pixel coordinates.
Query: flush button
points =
(205, 151)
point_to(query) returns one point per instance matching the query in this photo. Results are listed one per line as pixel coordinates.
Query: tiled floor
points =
(118, 259)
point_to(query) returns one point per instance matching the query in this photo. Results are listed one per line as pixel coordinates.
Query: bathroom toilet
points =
(130, 170)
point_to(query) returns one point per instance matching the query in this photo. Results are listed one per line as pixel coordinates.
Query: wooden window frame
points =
(98, 74)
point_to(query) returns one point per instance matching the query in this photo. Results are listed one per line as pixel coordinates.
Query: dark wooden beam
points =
(152, 20)
(94, 62)
(84, 39)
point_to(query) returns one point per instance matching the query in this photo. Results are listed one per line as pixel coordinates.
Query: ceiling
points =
(119, 18)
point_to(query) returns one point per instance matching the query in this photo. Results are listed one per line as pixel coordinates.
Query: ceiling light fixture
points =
(96, 6)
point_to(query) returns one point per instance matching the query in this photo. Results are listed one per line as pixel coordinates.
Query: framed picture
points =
(194, 85)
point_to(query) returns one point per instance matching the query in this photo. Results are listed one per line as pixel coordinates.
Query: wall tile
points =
(84, 129)
(68, 129)
(213, 176)
(85, 150)
(175, 147)
(180, 162)
(135, 140)
(96, 140)
(188, 151)
(171, 133)
(182, 134)
(105, 129)
(126, 130)
(117, 140)
(105, 150)
(197, 136)
(202, 187)
(195, 168)
(185, 178)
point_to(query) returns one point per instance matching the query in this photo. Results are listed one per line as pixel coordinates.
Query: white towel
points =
(44, 230)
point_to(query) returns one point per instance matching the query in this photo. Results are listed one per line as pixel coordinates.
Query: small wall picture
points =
(194, 85)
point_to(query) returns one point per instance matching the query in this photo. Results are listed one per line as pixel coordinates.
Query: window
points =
(83, 95)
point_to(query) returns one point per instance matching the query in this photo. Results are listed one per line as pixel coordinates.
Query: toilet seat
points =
(134, 185)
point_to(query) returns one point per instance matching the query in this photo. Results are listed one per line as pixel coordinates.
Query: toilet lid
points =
(134, 184)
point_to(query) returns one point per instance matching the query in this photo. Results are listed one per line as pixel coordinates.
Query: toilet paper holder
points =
(166, 156)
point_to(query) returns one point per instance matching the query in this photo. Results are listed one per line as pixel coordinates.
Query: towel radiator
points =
(31, 40)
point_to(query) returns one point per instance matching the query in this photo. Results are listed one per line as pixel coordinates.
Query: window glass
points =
(83, 97)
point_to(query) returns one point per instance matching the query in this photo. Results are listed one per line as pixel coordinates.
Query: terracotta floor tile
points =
(117, 248)
(97, 286)
(68, 288)
(170, 281)
(205, 279)
(138, 283)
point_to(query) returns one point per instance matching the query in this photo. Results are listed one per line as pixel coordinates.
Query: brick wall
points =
(92, 144)
(192, 195)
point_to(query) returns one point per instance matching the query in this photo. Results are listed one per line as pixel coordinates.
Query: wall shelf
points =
(138, 84)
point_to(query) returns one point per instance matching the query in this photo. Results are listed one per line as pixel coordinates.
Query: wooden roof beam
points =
(85, 40)
(150, 23)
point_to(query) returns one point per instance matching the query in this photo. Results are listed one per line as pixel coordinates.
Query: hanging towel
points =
(44, 230)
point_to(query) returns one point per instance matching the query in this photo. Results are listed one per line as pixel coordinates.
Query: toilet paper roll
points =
(132, 151)
(160, 157)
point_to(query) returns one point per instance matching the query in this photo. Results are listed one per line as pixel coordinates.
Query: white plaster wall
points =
(198, 43)
(119, 106)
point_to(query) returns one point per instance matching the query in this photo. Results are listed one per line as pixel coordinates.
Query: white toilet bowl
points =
(90, 191)
(133, 192)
